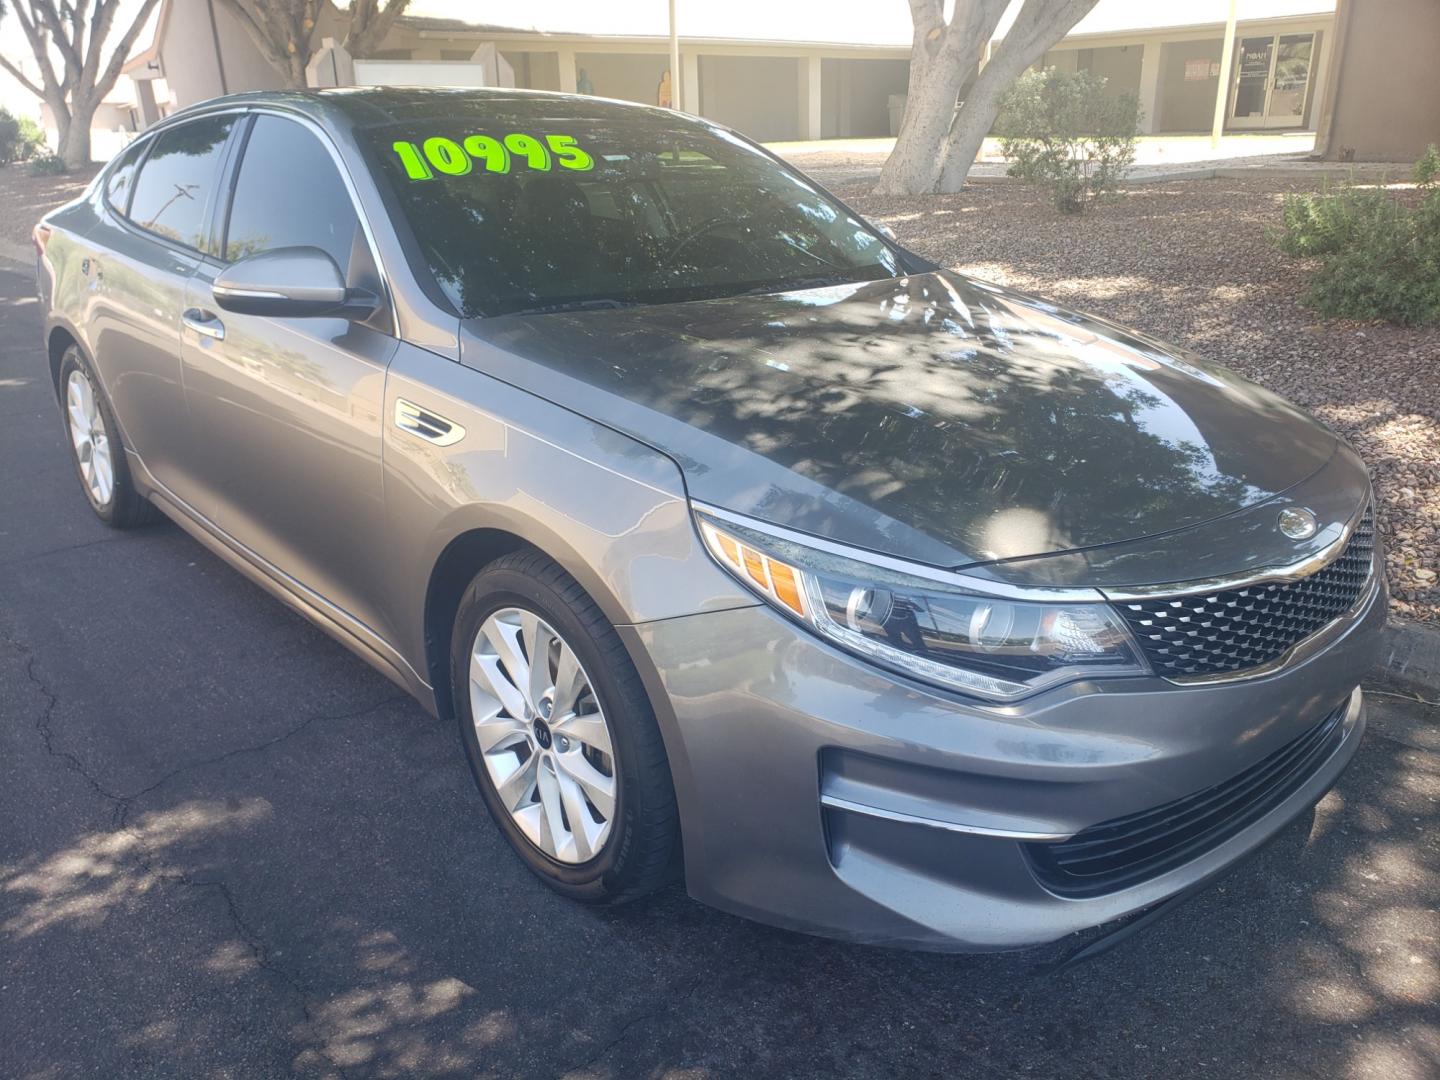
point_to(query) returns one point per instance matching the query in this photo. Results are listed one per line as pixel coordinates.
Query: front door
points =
(287, 412)
(1272, 80)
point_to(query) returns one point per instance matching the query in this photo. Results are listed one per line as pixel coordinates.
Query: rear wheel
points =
(560, 734)
(96, 448)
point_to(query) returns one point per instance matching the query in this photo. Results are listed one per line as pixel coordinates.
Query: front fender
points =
(610, 510)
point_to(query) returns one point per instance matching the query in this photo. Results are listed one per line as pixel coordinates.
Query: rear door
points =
(287, 412)
(152, 234)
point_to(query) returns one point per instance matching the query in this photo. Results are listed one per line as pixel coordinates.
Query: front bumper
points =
(818, 794)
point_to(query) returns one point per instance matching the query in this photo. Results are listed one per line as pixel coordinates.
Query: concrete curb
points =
(1411, 658)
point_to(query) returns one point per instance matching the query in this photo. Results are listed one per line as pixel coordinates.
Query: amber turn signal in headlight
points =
(952, 635)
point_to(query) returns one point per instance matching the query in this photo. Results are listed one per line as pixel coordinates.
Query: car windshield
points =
(540, 213)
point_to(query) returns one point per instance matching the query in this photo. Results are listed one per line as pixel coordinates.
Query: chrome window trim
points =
(243, 110)
(150, 135)
(140, 146)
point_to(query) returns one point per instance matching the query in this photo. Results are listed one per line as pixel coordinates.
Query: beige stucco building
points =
(1384, 91)
(1287, 70)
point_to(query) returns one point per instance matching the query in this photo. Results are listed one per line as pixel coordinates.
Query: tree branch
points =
(45, 10)
(41, 51)
(19, 76)
(369, 24)
(122, 50)
(273, 49)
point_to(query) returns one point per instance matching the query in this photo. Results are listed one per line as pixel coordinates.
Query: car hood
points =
(931, 417)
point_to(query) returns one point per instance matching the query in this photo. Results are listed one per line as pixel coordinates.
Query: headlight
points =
(948, 635)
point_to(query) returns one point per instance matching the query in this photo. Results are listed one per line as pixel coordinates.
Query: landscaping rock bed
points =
(1191, 262)
(25, 198)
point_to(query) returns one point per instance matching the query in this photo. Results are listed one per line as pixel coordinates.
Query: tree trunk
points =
(73, 133)
(941, 57)
(295, 72)
(938, 143)
(975, 120)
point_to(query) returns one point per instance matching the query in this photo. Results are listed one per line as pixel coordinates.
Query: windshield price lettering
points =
(489, 154)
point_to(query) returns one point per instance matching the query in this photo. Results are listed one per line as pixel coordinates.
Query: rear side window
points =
(289, 194)
(178, 180)
(122, 176)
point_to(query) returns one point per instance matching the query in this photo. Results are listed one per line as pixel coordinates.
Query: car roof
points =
(373, 106)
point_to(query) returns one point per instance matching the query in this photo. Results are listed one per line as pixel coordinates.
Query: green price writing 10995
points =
(488, 154)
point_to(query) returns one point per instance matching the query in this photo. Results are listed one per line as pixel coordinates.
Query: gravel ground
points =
(1189, 262)
(24, 197)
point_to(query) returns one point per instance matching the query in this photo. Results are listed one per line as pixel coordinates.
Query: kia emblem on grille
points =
(1297, 523)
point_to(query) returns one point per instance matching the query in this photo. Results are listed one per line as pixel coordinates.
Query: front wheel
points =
(560, 734)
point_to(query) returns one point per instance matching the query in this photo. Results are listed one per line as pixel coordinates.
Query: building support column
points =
(149, 110)
(690, 82)
(566, 58)
(1222, 93)
(1150, 86)
(811, 117)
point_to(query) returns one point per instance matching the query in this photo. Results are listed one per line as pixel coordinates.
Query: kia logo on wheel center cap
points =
(1297, 523)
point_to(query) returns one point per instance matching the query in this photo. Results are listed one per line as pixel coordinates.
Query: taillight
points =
(41, 236)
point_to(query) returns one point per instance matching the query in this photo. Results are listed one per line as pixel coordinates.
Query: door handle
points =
(427, 425)
(203, 323)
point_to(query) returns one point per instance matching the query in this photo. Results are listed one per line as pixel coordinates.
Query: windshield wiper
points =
(795, 284)
(603, 303)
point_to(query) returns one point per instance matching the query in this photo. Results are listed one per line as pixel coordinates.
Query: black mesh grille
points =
(1214, 633)
(1128, 850)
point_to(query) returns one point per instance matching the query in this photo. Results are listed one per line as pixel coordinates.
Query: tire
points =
(94, 438)
(637, 852)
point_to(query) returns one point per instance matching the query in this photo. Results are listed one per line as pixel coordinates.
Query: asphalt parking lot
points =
(228, 848)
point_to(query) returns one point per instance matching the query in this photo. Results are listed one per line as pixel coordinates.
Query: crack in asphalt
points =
(669, 1005)
(47, 736)
(38, 555)
(146, 860)
(125, 801)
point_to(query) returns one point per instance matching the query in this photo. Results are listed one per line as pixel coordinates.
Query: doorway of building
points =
(1272, 80)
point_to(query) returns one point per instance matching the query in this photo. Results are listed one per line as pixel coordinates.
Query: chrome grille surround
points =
(1222, 632)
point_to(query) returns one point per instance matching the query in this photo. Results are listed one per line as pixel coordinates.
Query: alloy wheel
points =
(87, 432)
(543, 737)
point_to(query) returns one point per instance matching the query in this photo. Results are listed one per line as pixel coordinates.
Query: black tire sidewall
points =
(498, 587)
(74, 360)
(127, 508)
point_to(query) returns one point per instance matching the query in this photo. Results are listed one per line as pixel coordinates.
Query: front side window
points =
(178, 180)
(534, 212)
(289, 194)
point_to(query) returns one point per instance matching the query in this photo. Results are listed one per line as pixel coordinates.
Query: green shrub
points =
(47, 164)
(1427, 169)
(20, 137)
(1377, 254)
(1066, 133)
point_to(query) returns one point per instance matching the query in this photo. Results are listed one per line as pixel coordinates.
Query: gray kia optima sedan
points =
(740, 542)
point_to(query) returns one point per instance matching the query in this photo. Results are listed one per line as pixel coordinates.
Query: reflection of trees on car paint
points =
(939, 402)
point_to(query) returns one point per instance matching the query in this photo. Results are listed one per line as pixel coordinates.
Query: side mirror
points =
(293, 282)
(887, 232)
